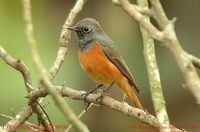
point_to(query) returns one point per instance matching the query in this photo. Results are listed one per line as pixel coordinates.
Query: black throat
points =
(85, 45)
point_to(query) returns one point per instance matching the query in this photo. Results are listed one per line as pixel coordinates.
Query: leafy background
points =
(48, 18)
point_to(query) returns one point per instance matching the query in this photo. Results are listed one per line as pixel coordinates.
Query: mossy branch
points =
(153, 73)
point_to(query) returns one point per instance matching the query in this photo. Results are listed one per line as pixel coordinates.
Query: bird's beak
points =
(72, 28)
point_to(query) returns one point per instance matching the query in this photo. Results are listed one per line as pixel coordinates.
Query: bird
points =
(100, 59)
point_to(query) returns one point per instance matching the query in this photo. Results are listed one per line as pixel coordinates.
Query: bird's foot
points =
(100, 98)
(89, 92)
(85, 96)
(87, 105)
(102, 94)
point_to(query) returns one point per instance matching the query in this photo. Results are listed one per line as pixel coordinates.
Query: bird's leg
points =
(90, 91)
(107, 88)
(124, 97)
(102, 93)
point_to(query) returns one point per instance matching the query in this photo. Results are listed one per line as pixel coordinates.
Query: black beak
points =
(72, 28)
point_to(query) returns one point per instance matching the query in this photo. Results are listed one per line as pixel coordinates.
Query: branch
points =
(169, 39)
(195, 61)
(28, 124)
(19, 65)
(143, 10)
(19, 119)
(79, 116)
(106, 101)
(26, 111)
(183, 59)
(65, 37)
(159, 13)
(62, 105)
(133, 11)
(153, 73)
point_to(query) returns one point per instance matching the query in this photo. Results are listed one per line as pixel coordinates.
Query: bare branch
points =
(143, 10)
(79, 116)
(107, 101)
(20, 118)
(159, 13)
(64, 38)
(195, 61)
(19, 65)
(131, 10)
(183, 59)
(28, 124)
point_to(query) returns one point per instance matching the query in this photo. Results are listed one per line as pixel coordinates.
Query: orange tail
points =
(130, 92)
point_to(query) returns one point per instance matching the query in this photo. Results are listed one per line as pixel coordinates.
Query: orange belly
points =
(97, 66)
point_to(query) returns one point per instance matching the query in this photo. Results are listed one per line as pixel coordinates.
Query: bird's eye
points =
(86, 30)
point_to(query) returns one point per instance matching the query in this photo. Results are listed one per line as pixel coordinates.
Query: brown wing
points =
(113, 55)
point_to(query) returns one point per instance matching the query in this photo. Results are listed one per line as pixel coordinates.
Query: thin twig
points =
(79, 116)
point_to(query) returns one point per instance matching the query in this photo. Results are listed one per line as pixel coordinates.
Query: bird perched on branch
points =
(100, 59)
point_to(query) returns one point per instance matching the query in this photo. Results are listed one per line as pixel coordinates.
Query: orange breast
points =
(94, 62)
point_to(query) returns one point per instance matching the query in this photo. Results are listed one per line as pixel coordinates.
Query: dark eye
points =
(86, 30)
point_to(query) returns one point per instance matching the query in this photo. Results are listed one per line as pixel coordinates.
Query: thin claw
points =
(124, 98)
(86, 106)
(89, 92)
(107, 88)
(100, 100)
(85, 96)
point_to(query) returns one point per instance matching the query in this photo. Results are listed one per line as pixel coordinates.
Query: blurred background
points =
(48, 18)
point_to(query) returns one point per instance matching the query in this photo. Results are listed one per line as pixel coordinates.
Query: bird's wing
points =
(113, 55)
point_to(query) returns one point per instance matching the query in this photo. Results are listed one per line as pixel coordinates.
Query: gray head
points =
(87, 30)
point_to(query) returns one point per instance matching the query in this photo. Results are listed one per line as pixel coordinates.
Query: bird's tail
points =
(130, 92)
